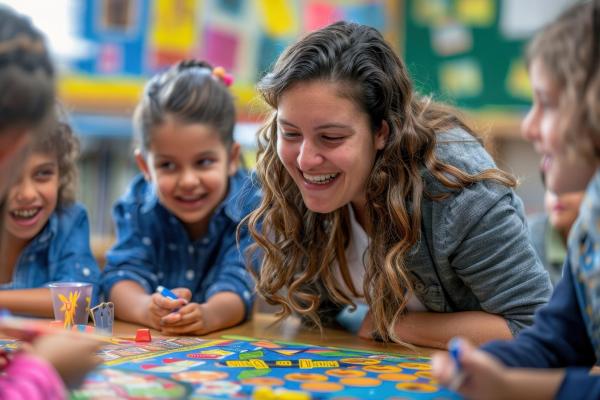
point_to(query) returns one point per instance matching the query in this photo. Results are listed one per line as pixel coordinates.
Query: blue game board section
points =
(235, 367)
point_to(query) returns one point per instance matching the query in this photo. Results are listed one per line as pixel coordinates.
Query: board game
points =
(235, 367)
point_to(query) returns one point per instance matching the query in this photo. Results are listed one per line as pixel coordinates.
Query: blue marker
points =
(455, 352)
(166, 292)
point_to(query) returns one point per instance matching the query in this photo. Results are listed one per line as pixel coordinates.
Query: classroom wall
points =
(466, 52)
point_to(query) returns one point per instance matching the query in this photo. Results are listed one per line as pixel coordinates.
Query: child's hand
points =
(73, 356)
(183, 293)
(191, 319)
(159, 306)
(484, 376)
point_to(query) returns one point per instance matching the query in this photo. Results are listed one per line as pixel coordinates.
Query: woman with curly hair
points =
(375, 196)
(45, 233)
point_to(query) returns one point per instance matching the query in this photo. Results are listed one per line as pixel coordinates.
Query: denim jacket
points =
(153, 247)
(60, 252)
(474, 253)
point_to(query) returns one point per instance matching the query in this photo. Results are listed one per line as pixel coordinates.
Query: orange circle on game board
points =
(362, 382)
(321, 386)
(360, 361)
(200, 376)
(382, 368)
(301, 377)
(419, 366)
(262, 381)
(416, 387)
(424, 374)
(397, 377)
(345, 373)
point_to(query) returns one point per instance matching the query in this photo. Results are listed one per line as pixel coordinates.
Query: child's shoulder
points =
(244, 194)
(66, 221)
(139, 194)
(69, 214)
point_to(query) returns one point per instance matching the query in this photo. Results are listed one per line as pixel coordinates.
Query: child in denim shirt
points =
(176, 224)
(45, 235)
(553, 358)
(43, 369)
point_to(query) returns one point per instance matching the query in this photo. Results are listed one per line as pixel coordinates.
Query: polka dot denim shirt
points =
(153, 247)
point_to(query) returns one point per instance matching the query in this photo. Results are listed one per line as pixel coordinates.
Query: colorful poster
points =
(278, 17)
(371, 14)
(318, 14)
(220, 47)
(173, 26)
(231, 7)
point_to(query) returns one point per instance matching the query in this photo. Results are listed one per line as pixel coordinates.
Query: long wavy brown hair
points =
(569, 49)
(298, 247)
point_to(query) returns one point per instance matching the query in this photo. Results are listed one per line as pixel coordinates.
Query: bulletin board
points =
(471, 52)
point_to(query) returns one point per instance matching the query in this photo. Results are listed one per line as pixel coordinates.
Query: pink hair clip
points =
(219, 72)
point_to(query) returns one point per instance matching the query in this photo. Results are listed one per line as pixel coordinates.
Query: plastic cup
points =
(71, 302)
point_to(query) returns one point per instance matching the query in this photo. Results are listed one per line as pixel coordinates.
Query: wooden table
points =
(262, 326)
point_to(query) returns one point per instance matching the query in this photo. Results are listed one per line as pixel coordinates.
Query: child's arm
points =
(558, 338)
(221, 311)
(485, 378)
(135, 305)
(35, 302)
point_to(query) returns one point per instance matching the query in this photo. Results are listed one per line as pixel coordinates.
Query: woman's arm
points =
(35, 302)
(430, 329)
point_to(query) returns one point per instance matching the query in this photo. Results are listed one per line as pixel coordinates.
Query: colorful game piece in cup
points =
(71, 302)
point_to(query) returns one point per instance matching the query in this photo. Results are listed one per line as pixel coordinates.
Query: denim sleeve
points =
(578, 384)
(558, 338)
(132, 257)
(74, 260)
(231, 274)
(494, 257)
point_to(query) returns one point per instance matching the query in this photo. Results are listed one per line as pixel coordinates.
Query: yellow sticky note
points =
(476, 12)
(517, 80)
(278, 17)
(461, 78)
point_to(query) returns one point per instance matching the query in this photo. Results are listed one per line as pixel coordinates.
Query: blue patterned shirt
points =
(153, 247)
(566, 333)
(59, 253)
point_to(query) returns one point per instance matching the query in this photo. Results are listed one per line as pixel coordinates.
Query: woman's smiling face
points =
(326, 144)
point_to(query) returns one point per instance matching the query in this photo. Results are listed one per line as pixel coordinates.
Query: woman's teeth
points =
(319, 179)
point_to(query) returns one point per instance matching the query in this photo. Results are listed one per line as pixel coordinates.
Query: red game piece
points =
(143, 335)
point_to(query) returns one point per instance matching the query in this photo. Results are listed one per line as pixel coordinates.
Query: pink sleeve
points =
(29, 377)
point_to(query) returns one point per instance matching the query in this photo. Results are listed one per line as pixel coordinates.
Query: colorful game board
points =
(235, 367)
